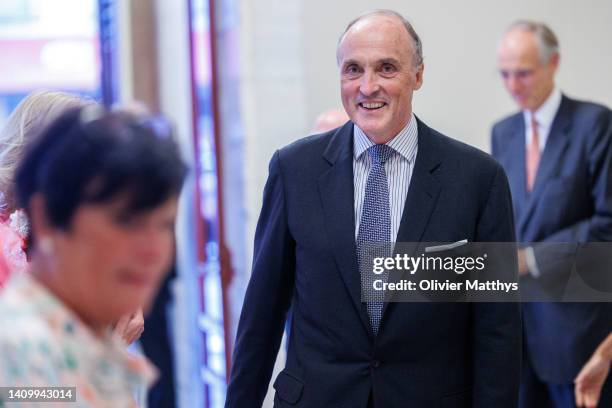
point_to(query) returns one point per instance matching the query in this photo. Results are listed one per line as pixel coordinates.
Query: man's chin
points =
(522, 103)
(372, 128)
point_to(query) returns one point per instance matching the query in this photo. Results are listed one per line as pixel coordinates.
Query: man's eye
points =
(388, 68)
(351, 69)
(519, 74)
(523, 73)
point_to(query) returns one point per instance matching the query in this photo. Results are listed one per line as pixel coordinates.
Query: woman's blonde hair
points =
(33, 113)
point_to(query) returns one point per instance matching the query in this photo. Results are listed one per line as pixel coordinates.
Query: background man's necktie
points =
(533, 155)
(375, 227)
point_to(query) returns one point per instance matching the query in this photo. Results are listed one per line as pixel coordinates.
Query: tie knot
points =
(380, 153)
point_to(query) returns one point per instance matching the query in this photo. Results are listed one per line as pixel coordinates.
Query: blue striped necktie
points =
(374, 228)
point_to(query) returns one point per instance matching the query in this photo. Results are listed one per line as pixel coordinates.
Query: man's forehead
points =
(382, 27)
(377, 20)
(518, 57)
(518, 43)
(375, 42)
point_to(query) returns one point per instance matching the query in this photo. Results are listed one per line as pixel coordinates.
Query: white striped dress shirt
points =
(398, 169)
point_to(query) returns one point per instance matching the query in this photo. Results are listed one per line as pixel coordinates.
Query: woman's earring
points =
(45, 244)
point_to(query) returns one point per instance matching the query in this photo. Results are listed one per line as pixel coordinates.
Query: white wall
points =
(273, 87)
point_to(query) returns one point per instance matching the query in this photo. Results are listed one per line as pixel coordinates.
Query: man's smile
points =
(371, 105)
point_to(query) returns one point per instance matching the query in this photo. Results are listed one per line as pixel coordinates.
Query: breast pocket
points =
(288, 389)
(461, 399)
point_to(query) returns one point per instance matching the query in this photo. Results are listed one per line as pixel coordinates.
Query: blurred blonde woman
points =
(27, 120)
(35, 112)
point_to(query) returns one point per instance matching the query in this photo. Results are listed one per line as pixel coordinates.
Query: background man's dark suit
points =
(425, 354)
(571, 202)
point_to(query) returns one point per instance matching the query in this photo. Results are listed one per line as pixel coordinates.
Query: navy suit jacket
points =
(425, 354)
(571, 202)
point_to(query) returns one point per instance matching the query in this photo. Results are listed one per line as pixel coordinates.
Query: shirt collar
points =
(545, 115)
(404, 143)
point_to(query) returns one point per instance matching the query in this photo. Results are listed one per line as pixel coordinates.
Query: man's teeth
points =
(373, 105)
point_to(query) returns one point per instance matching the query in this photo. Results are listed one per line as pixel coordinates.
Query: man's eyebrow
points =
(349, 62)
(389, 61)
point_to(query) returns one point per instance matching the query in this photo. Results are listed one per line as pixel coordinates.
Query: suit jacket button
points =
(375, 363)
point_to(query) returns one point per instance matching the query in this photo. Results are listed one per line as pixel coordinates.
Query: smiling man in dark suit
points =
(558, 158)
(383, 176)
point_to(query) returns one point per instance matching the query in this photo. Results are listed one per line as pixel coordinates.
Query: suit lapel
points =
(423, 191)
(552, 155)
(422, 194)
(516, 166)
(337, 197)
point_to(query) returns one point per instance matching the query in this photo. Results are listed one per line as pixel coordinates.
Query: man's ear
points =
(554, 61)
(418, 82)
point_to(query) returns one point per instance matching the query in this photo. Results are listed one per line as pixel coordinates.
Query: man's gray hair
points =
(417, 52)
(546, 38)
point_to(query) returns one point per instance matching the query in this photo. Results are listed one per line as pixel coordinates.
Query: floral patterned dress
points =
(44, 344)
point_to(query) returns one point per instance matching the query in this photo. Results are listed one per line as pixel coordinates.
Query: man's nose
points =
(512, 83)
(369, 84)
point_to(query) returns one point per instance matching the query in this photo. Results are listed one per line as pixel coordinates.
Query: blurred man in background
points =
(557, 155)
